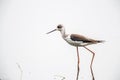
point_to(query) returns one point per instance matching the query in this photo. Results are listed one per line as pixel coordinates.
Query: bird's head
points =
(59, 28)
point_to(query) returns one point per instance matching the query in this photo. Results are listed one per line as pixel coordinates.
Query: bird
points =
(77, 41)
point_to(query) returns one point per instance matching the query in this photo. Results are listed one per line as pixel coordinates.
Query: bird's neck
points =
(63, 33)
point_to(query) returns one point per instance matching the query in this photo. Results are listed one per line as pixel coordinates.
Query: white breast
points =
(74, 43)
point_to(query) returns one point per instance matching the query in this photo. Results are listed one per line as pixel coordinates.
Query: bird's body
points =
(77, 41)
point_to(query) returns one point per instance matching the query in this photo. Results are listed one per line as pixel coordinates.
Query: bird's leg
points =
(91, 62)
(78, 63)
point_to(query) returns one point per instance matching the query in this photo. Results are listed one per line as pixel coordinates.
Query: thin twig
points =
(21, 71)
(93, 78)
(78, 69)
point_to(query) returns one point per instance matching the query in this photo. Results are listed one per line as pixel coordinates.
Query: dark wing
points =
(76, 37)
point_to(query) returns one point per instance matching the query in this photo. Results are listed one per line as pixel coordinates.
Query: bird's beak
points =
(51, 31)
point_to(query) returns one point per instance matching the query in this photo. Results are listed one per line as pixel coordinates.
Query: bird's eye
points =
(59, 26)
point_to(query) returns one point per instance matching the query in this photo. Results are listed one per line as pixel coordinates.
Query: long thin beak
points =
(51, 31)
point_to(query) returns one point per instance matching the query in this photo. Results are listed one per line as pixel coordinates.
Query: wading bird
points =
(78, 41)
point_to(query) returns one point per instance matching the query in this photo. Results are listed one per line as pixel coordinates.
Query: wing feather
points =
(76, 37)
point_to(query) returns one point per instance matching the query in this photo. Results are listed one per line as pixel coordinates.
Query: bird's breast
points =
(74, 43)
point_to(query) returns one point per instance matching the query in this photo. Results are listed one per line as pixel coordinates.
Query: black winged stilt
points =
(78, 41)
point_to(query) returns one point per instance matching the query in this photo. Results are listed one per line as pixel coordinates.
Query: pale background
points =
(23, 24)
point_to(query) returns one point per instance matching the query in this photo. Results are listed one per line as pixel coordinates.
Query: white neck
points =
(63, 33)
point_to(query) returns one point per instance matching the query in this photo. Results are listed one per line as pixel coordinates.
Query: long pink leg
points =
(91, 62)
(78, 63)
